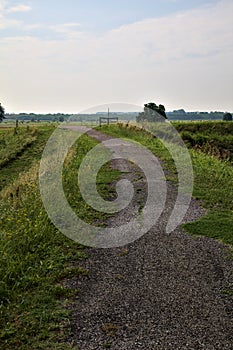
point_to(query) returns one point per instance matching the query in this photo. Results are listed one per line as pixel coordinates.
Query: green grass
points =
(21, 151)
(213, 138)
(148, 140)
(217, 224)
(214, 187)
(206, 127)
(13, 143)
(213, 179)
(36, 257)
(105, 177)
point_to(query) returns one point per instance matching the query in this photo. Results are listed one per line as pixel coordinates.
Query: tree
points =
(179, 111)
(152, 113)
(227, 117)
(2, 113)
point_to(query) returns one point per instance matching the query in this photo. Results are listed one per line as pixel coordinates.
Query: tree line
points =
(151, 113)
(2, 113)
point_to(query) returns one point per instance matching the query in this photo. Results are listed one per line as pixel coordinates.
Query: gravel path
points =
(161, 292)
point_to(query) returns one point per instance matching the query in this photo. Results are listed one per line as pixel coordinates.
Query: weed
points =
(108, 345)
(109, 327)
(124, 252)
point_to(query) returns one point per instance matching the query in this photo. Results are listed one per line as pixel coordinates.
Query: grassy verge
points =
(20, 151)
(105, 177)
(213, 183)
(36, 257)
(214, 187)
(13, 143)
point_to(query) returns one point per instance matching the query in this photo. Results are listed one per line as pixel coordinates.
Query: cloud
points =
(34, 26)
(19, 8)
(6, 22)
(67, 29)
(192, 33)
(182, 60)
(9, 23)
(68, 26)
(2, 5)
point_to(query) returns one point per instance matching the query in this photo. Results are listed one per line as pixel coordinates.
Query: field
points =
(36, 258)
(213, 138)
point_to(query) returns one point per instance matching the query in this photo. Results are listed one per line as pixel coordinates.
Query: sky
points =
(69, 55)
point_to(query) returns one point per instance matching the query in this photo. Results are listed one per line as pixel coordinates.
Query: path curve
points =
(162, 292)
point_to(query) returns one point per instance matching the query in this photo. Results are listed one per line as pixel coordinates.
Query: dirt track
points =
(162, 292)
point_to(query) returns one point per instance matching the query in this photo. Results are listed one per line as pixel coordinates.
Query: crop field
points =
(36, 258)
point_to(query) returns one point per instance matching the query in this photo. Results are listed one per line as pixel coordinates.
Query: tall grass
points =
(214, 187)
(36, 257)
(21, 150)
(12, 144)
(213, 138)
(213, 181)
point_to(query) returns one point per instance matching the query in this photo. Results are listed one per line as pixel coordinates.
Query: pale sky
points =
(70, 55)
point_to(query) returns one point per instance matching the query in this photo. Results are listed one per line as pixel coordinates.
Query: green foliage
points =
(195, 116)
(227, 117)
(152, 113)
(212, 138)
(213, 181)
(206, 127)
(2, 113)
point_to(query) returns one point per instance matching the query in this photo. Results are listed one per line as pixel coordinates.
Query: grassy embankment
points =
(213, 171)
(211, 145)
(19, 151)
(35, 256)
